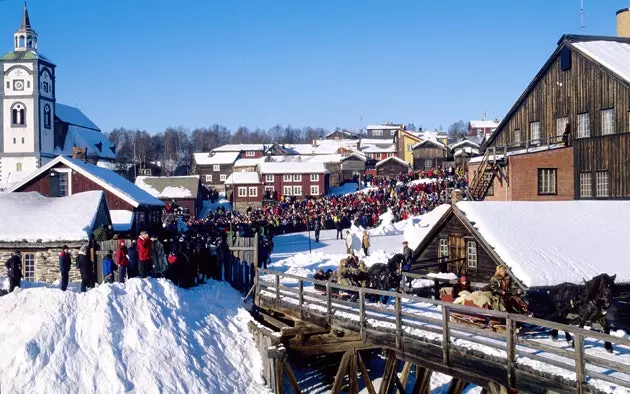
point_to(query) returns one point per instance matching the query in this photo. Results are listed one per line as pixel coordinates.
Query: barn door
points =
(456, 251)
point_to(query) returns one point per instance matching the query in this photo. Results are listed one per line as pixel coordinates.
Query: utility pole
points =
(135, 164)
(582, 26)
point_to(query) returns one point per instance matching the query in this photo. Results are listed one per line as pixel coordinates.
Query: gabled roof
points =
(411, 135)
(483, 124)
(612, 53)
(107, 179)
(74, 116)
(376, 141)
(32, 217)
(243, 178)
(307, 167)
(378, 149)
(383, 127)
(239, 147)
(429, 142)
(394, 158)
(96, 143)
(464, 143)
(217, 158)
(170, 187)
(248, 162)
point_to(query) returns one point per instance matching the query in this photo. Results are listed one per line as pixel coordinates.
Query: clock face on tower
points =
(18, 84)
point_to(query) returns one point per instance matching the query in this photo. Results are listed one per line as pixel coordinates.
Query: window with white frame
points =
(286, 178)
(208, 178)
(547, 180)
(443, 247)
(253, 191)
(377, 133)
(216, 168)
(608, 121)
(242, 191)
(586, 186)
(601, 184)
(297, 177)
(250, 153)
(297, 190)
(269, 178)
(561, 125)
(29, 267)
(222, 177)
(471, 254)
(517, 136)
(314, 190)
(269, 189)
(583, 125)
(428, 164)
(314, 177)
(287, 190)
(534, 132)
(409, 147)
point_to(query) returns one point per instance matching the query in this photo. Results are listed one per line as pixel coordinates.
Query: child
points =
(108, 268)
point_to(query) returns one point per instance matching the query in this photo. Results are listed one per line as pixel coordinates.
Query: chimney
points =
(623, 22)
(79, 153)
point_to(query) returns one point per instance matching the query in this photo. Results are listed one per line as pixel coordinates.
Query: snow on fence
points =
(507, 356)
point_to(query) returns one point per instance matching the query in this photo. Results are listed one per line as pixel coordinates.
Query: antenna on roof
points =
(582, 25)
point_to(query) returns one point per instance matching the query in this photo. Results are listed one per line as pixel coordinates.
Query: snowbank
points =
(144, 336)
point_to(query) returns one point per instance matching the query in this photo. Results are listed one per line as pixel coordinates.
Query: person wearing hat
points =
(108, 267)
(65, 263)
(348, 242)
(406, 252)
(145, 262)
(365, 242)
(85, 268)
(14, 270)
(461, 285)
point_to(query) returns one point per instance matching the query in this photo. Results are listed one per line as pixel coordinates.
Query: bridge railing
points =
(429, 320)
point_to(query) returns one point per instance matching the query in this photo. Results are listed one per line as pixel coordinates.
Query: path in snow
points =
(144, 336)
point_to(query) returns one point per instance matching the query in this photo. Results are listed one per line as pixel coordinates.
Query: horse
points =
(589, 301)
(385, 276)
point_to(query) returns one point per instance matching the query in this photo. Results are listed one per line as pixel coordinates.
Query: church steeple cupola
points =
(25, 37)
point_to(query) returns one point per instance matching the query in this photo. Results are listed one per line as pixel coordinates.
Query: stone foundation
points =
(46, 263)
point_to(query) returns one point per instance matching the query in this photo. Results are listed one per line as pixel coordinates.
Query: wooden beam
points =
(341, 372)
(399, 385)
(457, 386)
(279, 380)
(404, 375)
(390, 371)
(353, 385)
(291, 376)
(365, 375)
(423, 381)
(304, 330)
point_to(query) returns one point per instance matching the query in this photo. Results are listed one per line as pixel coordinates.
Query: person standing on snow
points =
(14, 270)
(365, 242)
(122, 261)
(159, 257)
(318, 229)
(84, 265)
(65, 263)
(108, 268)
(132, 255)
(348, 242)
(144, 254)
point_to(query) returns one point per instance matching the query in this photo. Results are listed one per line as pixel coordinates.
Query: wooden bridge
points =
(420, 332)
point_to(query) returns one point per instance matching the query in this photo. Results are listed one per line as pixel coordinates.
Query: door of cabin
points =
(456, 254)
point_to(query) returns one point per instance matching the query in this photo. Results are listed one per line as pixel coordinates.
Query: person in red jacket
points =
(122, 261)
(144, 254)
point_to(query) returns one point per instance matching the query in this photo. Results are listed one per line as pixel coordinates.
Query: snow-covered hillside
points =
(146, 336)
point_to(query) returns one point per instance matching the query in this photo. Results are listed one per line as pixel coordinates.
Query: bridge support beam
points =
(457, 386)
(352, 363)
(423, 381)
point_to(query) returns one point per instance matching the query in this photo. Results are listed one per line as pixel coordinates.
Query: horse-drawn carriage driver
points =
(506, 295)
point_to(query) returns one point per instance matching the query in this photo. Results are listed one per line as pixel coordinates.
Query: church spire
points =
(25, 37)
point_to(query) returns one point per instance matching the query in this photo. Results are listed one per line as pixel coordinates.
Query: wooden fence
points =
(239, 261)
(410, 330)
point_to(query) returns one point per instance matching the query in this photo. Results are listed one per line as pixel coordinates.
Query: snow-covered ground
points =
(145, 336)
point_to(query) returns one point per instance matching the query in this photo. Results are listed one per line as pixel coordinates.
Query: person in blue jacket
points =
(108, 268)
(65, 262)
(132, 271)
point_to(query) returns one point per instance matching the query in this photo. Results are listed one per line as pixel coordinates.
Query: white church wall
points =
(10, 165)
(19, 139)
(18, 79)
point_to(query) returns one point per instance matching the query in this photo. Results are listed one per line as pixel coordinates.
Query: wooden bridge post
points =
(365, 375)
(404, 375)
(362, 315)
(423, 381)
(446, 337)
(328, 303)
(580, 373)
(341, 372)
(353, 383)
(389, 375)
(277, 290)
(510, 340)
(398, 324)
(301, 298)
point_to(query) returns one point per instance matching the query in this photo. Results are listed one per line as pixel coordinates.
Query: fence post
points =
(398, 324)
(301, 298)
(362, 314)
(256, 244)
(445, 334)
(511, 351)
(277, 290)
(580, 367)
(328, 302)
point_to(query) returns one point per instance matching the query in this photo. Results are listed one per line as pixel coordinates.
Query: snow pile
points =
(144, 336)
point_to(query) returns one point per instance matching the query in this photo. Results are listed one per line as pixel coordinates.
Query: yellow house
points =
(404, 144)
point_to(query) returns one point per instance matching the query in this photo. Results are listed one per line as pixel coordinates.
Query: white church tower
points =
(27, 94)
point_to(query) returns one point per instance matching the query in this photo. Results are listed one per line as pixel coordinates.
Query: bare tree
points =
(457, 130)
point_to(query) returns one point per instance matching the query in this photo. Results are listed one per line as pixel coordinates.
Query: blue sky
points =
(151, 64)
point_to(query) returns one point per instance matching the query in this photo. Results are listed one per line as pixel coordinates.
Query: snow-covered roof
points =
(307, 167)
(377, 149)
(122, 220)
(377, 141)
(239, 147)
(466, 150)
(217, 158)
(97, 143)
(382, 127)
(483, 124)
(463, 143)
(12, 179)
(394, 158)
(243, 178)
(35, 218)
(170, 187)
(548, 243)
(429, 141)
(107, 179)
(248, 162)
(74, 116)
(356, 154)
(613, 55)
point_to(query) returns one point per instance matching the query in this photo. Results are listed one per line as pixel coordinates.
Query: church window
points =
(18, 166)
(8, 85)
(29, 42)
(18, 115)
(14, 141)
(45, 86)
(22, 139)
(47, 116)
(28, 84)
(21, 42)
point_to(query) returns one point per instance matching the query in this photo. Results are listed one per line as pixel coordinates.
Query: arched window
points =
(18, 115)
(29, 41)
(18, 166)
(47, 116)
(21, 42)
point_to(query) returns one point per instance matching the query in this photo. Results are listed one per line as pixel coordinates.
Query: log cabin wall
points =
(586, 87)
(457, 236)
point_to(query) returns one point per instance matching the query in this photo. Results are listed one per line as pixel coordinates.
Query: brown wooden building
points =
(184, 191)
(429, 154)
(392, 166)
(244, 190)
(214, 169)
(65, 177)
(577, 105)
